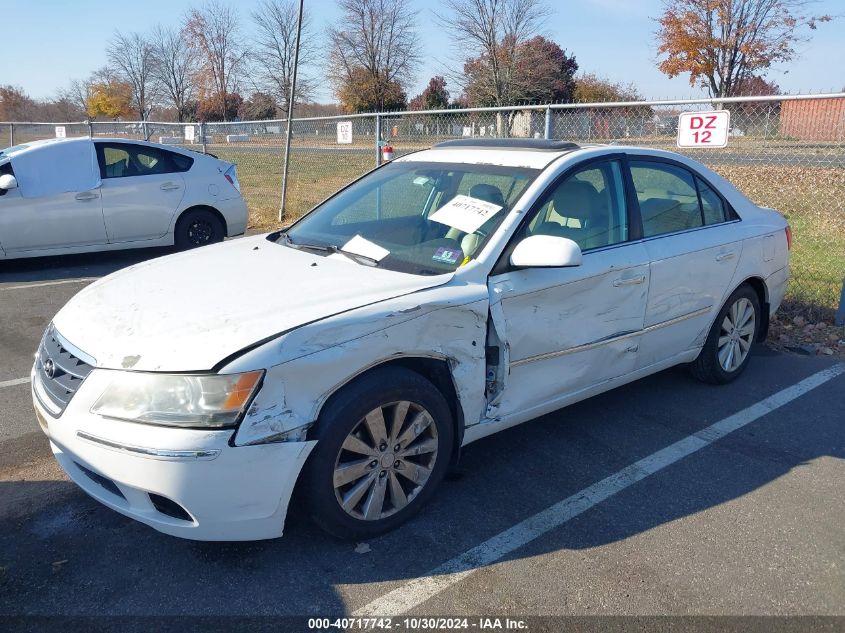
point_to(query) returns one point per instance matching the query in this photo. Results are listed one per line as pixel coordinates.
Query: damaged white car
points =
(445, 296)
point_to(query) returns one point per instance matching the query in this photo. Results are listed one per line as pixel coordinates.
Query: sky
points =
(48, 43)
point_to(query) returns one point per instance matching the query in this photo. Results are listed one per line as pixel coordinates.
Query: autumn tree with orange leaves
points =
(722, 43)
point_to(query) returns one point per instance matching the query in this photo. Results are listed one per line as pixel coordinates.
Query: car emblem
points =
(50, 368)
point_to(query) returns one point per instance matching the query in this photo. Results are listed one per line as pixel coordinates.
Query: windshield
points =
(416, 217)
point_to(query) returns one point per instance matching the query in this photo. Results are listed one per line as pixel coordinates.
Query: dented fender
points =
(306, 366)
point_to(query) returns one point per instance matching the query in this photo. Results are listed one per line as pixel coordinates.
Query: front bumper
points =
(187, 483)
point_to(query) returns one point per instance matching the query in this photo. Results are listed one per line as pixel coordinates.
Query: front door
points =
(57, 202)
(567, 329)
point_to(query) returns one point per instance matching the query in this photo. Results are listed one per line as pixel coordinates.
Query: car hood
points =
(189, 311)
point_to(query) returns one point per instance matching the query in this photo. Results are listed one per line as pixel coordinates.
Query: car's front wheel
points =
(727, 349)
(383, 445)
(198, 227)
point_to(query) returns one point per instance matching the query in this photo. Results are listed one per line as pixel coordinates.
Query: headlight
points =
(198, 400)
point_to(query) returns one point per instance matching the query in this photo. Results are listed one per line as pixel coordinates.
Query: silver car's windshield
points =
(424, 218)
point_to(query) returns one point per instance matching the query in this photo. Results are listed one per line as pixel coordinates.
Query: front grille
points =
(59, 371)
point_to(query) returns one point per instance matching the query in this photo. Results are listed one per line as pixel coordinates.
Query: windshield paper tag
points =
(362, 246)
(465, 214)
(447, 255)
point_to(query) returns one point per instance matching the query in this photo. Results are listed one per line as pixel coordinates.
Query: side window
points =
(119, 160)
(114, 162)
(180, 161)
(667, 196)
(712, 206)
(588, 208)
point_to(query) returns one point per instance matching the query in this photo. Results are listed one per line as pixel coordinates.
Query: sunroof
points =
(540, 144)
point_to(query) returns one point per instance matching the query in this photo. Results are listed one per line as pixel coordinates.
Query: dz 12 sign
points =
(704, 129)
(344, 132)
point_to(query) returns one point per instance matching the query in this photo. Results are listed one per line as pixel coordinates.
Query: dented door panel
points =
(566, 329)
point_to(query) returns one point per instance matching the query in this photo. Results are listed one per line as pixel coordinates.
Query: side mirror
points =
(8, 181)
(546, 251)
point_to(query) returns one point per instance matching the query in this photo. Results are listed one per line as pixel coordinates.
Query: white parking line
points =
(51, 283)
(419, 590)
(12, 383)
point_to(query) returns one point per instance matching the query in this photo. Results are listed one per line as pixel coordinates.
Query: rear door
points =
(142, 189)
(693, 245)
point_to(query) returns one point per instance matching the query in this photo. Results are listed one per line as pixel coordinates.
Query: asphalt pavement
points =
(666, 496)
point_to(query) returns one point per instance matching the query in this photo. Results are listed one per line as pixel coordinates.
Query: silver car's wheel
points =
(385, 461)
(737, 334)
(727, 349)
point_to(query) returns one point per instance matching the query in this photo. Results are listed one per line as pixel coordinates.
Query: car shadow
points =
(60, 267)
(117, 566)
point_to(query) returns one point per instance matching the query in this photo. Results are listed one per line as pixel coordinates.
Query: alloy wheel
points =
(385, 461)
(200, 232)
(737, 334)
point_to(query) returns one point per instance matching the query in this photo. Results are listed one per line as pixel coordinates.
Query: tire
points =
(198, 227)
(379, 486)
(721, 364)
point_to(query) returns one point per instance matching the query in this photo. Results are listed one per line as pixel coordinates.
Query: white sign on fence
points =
(704, 129)
(344, 132)
(61, 132)
(189, 133)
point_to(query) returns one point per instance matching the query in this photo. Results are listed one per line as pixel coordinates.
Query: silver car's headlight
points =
(186, 400)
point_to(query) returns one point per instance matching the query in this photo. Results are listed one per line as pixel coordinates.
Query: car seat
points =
(579, 200)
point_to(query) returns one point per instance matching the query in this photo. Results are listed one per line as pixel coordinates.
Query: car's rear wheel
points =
(727, 349)
(198, 227)
(383, 445)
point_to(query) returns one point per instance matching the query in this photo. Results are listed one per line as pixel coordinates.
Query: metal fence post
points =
(202, 137)
(90, 128)
(378, 140)
(839, 319)
(11, 134)
(548, 132)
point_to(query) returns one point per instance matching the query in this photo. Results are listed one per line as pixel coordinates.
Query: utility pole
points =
(291, 94)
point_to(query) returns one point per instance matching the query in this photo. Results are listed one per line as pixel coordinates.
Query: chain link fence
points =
(785, 152)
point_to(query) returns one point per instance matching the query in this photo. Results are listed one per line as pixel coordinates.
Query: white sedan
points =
(448, 295)
(80, 195)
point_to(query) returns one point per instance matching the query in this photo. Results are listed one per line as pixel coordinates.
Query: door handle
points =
(169, 186)
(723, 257)
(629, 281)
(87, 195)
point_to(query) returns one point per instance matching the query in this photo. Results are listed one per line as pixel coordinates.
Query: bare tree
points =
(77, 93)
(374, 48)
(214, 33)
(174, 68)
(488, 35)
(273, 51)
(131, 57)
